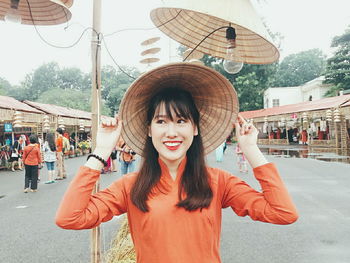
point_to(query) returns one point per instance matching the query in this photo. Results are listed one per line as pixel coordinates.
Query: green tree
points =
(75, 99)
(5, 87)
(338, 66)
(114, 85)
(72, 79)
(297, 69)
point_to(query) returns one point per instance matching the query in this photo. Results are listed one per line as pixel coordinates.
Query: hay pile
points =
(122, 248)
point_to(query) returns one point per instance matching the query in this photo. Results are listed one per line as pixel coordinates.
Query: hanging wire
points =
(203, 40)
(115, 62)
(54, 45)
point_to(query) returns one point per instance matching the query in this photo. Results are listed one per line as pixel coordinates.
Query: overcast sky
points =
(305, 24)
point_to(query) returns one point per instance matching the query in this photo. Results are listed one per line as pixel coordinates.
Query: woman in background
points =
(50, 157)
(31, 160)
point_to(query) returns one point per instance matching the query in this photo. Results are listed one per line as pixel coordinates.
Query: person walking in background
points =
(219, 152)
(126, 158)
(61, 171)
(31, 160)
(16, 155)
(50, 157)
(114, 164)
(241, 161)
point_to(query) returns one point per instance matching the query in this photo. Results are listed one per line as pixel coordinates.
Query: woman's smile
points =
(172, 145)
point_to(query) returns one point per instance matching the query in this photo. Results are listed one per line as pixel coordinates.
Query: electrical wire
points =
(110, 55)
(203, 40)
(54, 45)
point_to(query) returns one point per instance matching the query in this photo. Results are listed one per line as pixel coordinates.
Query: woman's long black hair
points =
(50, 138)
(195, 186)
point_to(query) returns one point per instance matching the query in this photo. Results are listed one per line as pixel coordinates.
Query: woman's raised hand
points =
(247, 134)
(107, 136)
(247, 137)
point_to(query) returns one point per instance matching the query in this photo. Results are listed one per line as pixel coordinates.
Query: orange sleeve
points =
(79, 209)
(272, 205)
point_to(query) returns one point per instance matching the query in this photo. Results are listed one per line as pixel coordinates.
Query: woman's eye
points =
(160, 121)
(181, 121)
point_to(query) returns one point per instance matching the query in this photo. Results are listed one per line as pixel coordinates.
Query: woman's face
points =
(171, 138)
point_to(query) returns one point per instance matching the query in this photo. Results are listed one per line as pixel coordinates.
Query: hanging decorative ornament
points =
(305, 117)
(231, 30)
(329, 115)
(283, 122)
(336, 115)
(81, 126)
(17, 119)
(61, 123)
(36, 12)
(46, 123)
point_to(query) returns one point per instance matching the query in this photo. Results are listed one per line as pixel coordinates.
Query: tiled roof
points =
(59, 110)
(11, 103)
(321, 104)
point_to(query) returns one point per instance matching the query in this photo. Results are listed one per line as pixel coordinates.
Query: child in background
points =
(241, 161)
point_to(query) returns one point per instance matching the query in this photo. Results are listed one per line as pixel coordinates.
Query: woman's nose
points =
(171, 130)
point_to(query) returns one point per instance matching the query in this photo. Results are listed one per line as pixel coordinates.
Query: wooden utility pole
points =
(95, 110)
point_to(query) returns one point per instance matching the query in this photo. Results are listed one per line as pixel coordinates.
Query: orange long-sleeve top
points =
(167, 233)
(59, 143)
(32, 155)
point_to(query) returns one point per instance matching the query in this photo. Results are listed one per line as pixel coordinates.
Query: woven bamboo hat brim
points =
(41, 12)
(214, 96)
(190, 21)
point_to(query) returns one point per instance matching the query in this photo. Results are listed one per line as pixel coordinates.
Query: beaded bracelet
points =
(98, 158)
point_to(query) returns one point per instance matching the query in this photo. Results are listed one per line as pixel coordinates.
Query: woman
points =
(173, 116)
(16, 155)
(241, 161)
(127, 158)
(31, 160)
(50, 157)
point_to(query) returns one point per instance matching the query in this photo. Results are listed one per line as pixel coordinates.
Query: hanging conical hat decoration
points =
(150, 41)
(149, 60)
(190, 21)
(149, 51)
(39, 12)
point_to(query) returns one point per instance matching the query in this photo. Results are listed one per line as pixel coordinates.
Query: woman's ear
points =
(149, 131)
(195, 132)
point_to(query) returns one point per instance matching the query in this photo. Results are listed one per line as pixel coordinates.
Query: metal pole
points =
(95, 110)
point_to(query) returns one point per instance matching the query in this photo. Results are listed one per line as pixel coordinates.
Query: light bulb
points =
(12, 14)
(233, 61)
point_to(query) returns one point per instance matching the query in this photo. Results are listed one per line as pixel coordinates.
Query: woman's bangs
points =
(175, 108)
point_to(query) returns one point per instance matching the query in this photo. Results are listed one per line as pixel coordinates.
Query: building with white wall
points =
(279, 96)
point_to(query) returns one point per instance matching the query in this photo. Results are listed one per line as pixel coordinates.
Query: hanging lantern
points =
(46, 123)
(329, 115)
(81, 126)
(231, 30)
(18, 119)
(305, 117)
(61, 123)
(283, 121)
(336, 115)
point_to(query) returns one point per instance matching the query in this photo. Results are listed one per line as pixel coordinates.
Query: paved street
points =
(321, 191)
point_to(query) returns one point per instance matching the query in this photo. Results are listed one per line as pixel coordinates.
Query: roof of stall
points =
(59, 110)
(13, 104)
(326, 103)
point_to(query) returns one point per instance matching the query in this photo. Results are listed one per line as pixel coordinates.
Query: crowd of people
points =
(31, 154)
